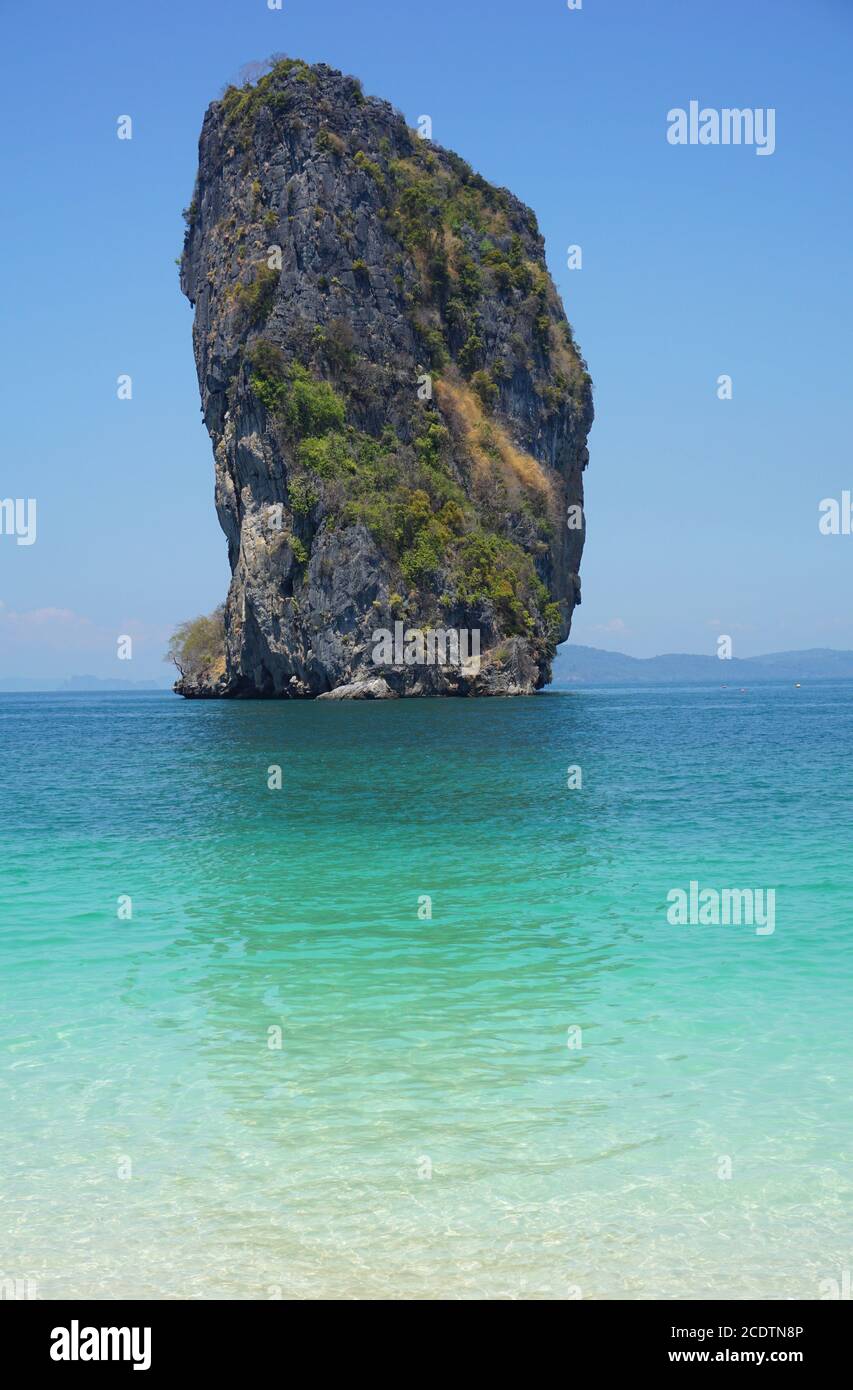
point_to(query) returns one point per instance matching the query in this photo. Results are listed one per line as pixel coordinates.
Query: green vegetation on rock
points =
(405, 495)
(197, 647)
(257, 297)
(303, 405)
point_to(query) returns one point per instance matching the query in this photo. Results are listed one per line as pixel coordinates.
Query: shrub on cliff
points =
(268, 375)
(482, 383)
(257, 298)
(313, 407)
(197, 647)
(304, 405)
(492, 569)
(241, 105)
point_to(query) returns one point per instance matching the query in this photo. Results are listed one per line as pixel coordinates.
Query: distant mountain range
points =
(23, 685)
(576, 665)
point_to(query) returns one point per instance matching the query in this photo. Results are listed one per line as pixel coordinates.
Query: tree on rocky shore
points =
(197, 647)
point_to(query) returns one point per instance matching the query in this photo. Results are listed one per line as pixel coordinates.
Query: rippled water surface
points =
(157, 1143)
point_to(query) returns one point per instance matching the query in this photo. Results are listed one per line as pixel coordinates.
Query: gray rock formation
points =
(375, 689)
(398, 410)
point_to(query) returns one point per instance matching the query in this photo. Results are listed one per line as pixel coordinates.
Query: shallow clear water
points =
(155, 1145)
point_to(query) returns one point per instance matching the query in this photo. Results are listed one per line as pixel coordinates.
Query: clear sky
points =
(698, 261)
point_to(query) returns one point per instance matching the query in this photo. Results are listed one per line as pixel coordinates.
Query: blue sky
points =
(697, 261)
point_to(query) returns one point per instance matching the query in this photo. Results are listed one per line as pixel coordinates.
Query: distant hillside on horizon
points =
(26, 685)
(577, 665)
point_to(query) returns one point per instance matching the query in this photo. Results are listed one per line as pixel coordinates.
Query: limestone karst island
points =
(398, 408)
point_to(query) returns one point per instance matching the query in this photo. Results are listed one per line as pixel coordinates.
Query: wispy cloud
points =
(56, 639)
(614, 625)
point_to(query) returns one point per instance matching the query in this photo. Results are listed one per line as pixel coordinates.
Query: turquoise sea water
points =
(155, 1145)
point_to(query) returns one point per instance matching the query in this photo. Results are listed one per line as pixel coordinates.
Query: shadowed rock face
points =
(398, 411)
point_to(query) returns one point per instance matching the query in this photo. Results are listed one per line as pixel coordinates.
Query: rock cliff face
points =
(398, 410)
